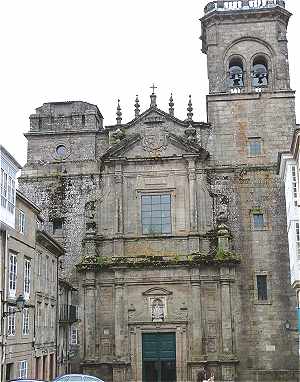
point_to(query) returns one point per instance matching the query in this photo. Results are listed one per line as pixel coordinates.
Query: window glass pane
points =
(258, 221)
(165, 199)
(156, 214)
(156, 228)
(156, 199)
(156, 221)
(255, 147)
(262, 287)
(165, 207)
(146, 229)
(146, 207)
(146, 199)
(156, 207)
(160, 206)
(166, 221)
(166, 228)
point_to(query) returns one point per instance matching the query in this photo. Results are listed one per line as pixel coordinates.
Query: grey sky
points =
(98, 51)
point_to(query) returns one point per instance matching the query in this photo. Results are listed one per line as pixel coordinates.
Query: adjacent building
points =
(175, 230)
(288, 166)
(29, 275)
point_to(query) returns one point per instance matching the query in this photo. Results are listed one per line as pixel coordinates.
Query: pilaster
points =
(89, 315)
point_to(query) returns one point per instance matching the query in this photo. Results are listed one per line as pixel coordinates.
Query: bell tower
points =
(249, 85)
(251, 109)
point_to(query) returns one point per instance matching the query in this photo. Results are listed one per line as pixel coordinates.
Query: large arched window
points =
(260, 72)
(236, 73)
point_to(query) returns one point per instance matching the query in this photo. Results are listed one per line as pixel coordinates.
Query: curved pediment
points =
(156, 291)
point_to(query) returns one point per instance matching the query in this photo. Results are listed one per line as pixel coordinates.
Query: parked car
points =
(77, 378)
(26, 380)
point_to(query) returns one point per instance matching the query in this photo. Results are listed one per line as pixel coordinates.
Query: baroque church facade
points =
(174, 230)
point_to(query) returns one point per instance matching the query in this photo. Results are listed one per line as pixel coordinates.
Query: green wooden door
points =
(159, 357)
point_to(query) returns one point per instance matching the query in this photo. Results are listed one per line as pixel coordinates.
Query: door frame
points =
(136, 332)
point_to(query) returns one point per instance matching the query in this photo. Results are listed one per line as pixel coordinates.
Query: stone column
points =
(89, 287)
(227, 335)
(196, 316)
(192, 189)
(121, 326)
(119, 211)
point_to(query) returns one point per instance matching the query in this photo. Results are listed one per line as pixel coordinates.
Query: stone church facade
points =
(174, 230)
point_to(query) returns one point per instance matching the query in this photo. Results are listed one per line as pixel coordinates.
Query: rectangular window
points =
(262, 287)
(156, 214)
(255, 147)
(298, 238)
(21, 217)
(11, 321)
(3, 188)
(74, 335)
(258, 221)
(25, 324)
(57, 226)
(294, 185)
(27, 277)
(12, 274)
(23, 369)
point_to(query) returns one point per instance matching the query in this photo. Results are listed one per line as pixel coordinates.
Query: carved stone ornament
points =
(157, 310)
(154, 140)
(90, 217)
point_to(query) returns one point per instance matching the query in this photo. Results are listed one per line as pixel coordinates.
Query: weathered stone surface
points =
(215, 187)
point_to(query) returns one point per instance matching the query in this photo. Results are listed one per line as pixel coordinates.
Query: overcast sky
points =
(98, 51)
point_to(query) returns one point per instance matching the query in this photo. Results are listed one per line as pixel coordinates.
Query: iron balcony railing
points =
(221, 5)
(68, 313)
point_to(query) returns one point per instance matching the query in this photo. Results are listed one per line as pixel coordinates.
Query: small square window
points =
(255, 147)
(258, 221)
(262, 287)
(57, 226)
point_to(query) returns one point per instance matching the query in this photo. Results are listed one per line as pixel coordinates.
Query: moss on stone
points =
(221, 257)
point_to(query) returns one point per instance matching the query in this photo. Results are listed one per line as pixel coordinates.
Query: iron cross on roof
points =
(153, 88)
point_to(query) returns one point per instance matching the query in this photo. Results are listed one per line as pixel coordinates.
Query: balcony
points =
(224, 6)
(68, 313)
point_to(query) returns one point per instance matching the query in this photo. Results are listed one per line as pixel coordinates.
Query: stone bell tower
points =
(251, 109)
(250, 102)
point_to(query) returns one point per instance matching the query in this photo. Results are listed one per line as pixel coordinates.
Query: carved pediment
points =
(157, 292)
(154, 142)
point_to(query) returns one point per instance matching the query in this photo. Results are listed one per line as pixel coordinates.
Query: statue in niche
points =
(205, 375)
(90, 217)
(222, 202)
(157, 310)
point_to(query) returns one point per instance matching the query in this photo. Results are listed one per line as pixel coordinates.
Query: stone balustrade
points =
(242, 4)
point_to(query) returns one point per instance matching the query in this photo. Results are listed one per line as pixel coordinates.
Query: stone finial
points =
(119, 113)
(153, 96)
(171, 105)
(137, 107)
(190, 109)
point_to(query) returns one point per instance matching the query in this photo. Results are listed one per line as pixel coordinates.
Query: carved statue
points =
(205, 375)
(222, 208)
(90, 216)
(157, 310)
